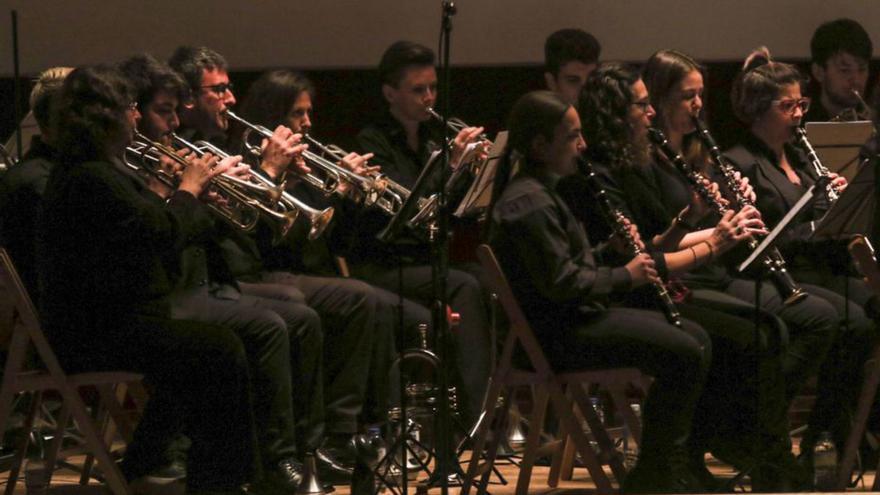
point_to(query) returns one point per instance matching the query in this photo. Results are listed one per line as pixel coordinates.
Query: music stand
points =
(838, 144)
(479, 194)
(853, 212)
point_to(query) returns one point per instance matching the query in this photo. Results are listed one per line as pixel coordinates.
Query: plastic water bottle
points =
(825, 463)
(630, 447)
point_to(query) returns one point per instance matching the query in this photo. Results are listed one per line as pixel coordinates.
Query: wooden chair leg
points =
(482, 435)
(572, 427)
(21, 450)
(533, 441)
(857, 429)
(600, 435)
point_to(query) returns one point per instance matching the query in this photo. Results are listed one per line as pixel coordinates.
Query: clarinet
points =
(831, 193)
(618, 222)
(772, 261)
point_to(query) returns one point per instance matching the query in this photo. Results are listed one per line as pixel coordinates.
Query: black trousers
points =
(347, 309)
(199, 373)
(282, 338)
(678, 359)
(841, 375)
(472, 340)
(743, 405)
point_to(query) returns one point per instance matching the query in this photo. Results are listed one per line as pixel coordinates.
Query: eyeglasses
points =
(219, 89)
(643, 105)
(788, 105)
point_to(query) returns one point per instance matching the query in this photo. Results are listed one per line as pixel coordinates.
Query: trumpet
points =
(279, 197)
(333, 175)
(378, 188)
(246, 202)
(453, 124)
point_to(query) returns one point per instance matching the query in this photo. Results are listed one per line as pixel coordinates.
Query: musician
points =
(106, 243)
(22, 186)
(561, 287)
(569, 57)
(767, 98)
(840, 51)
(743, 406)
(285, 97)
(347, 308)
(402, 140)
(279, 332)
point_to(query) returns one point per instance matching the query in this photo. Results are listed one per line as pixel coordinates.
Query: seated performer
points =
(22, 187)
(279, 333)
(743, 406)
(840, 51)
(401, 141)
(285, 97)
(553, 272)
(767, 98)
(569, 57)
(106, 241)
(347, 308)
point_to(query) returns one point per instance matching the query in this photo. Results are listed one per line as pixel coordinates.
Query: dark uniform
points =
(108, 245)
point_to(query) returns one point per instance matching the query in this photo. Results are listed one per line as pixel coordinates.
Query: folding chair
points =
(565, 391)
(19, 376)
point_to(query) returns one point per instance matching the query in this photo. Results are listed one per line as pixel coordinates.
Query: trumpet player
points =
(281, 334)
(767, 98)
(106, 242)
(401, 140)
(347, 308)
(23, 186)
(840, 51)
(285, 97)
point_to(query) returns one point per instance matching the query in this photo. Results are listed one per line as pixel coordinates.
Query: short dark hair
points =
(270, 97)
(90, 113)
(149, 76)
(604, 105)
(400, 56)
(190, 61)
(566, 45)
(840, 35)
(759, 83)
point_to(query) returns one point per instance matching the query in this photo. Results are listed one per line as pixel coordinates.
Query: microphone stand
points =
(439, 264)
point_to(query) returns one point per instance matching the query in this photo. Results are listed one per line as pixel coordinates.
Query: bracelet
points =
(680, 222)
(694, 254)
(711, 251)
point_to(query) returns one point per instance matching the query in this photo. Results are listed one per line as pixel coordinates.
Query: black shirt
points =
(21, 195)
(386, 139)
(111, 245)
(546, 256)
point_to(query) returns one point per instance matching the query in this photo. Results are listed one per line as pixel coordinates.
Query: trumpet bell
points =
(320, 219)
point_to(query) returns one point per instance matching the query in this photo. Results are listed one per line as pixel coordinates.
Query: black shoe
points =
(666, 474)
(330, 469)
(175, 470)
(282, 479)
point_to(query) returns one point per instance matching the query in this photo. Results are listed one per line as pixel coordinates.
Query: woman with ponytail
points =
(553, 271)
(767, 98)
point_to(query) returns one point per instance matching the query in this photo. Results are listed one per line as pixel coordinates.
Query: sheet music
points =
(771, 238)
(480, 192)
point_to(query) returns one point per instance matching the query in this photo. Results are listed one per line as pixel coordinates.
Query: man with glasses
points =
(347, 308)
